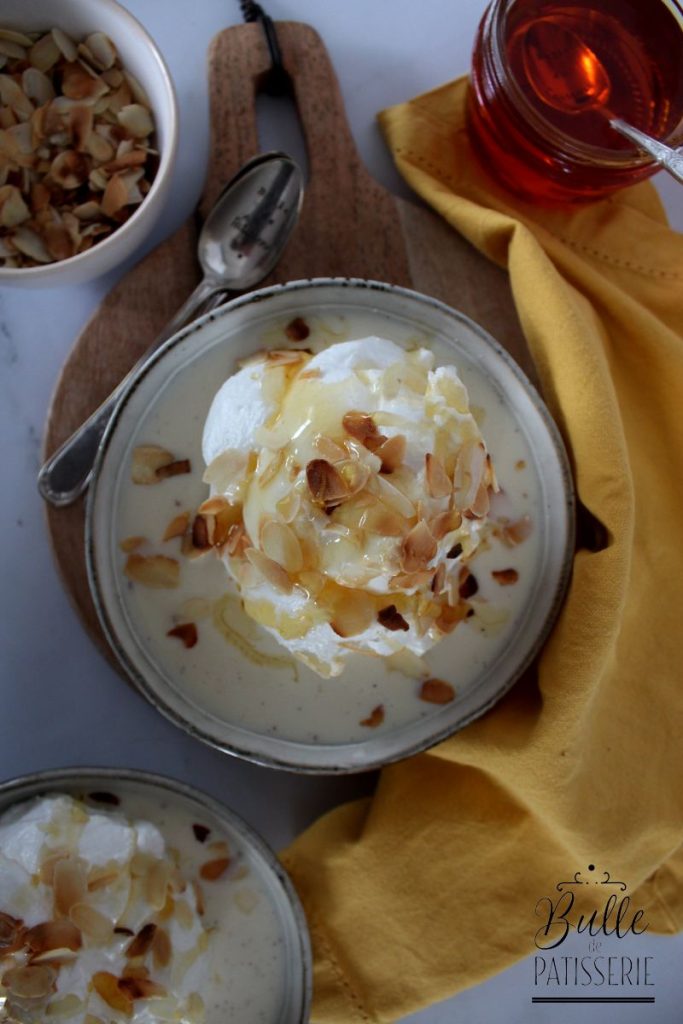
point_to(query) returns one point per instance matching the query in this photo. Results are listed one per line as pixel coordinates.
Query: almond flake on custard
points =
(91, 922)
(363, 428)
(31, 981)
(469, 469)
(142, 942)
(161, 948)
(325, 483)
(280, 543)
(51, 935)
(445, 522)
(382, 521)
(418, 548)
(438, 482)
(374, 719)
(186, 632)
(270, 570)
(410, 580)
(147, 459)
(176, 528)
(329, 449)
(214, 869)
(156, 571)
(436, 691)
(451, 616)
(107, 987)
(177, 468)
(392, 453)
(515, 533)
(505, 577)
(141, 988)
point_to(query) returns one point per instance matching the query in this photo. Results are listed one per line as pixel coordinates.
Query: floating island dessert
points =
(349, 490)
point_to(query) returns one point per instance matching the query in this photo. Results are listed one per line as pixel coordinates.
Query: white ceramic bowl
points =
(140, 56)
(240, 694)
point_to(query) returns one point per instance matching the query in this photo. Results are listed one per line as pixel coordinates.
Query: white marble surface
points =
(61, 704)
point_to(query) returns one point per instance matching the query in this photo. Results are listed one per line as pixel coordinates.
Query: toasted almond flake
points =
(142, 942)
(80, 128)
(156, 883)
(451, 616)
(102, 50)
(436, 691)
(351, 611)
(69, 884)
(469, 469)
(147, 459)
(274, 466)
(115, 196)
(329, 449)
(141, 988)
(45, 53)
(51, 935)
(132, 543)
(31, 245)
(505, 577)
(13, 209)
(270, 570)
(177, 468)
(325, 483)
(410, 580)
(392, 496)
(375, 718)
(417, 549)
(439, 579)
(101, 878)
(392, 453)
(12, 36)
(177, 526)
(480, 506)
(31, 981)
(156, 571)
(237, 541)
(107, 987)
(363, 428)
(186, 632)
(91, 922)
(288, 507)
(161, 948)
(445, 522)
(280, 543)
(517, 532)
(392, 619)
(214, 869)
(65, 44)
(438, 482)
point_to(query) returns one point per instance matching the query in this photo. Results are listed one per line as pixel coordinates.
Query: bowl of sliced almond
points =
(88, 136)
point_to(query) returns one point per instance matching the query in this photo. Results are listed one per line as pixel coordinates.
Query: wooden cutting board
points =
(349, 227)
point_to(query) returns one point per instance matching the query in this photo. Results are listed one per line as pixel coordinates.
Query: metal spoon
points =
(240, 243)
(568, 76)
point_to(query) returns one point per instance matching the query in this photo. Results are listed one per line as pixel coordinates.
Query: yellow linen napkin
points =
(430, 886)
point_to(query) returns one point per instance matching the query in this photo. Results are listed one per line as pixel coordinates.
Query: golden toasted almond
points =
(394, 497)
(383, 521)
(91, 923)
(374, 719)
(237, 541)
(272, 469)
(141, 988)
(297, 329)
(101, 877)
(469, 470)
(177, 468)
(351, 611)
(355, 475)
(69, 884)
(49, 935)
(156, 571)
(280, 543)
(505, 577)
(157, 881)
(445, 522)
(329, 449)
(490, 478)
(214, 869)
(161, 948)
(417, 548)
(312, 581)
(438, 482)
(391, 618)
(30, 982)
(288, 507)
(136, 120)
(467, 583)
(69, 169)
(186, 632)
(410, 580)
(270, 570)
(147, 459)
(480, 506)
(363, 428)
(517, 532)
(439, 579)
(142, 942)
(392, 453)
(326, 485)
(177, 526)
(115, 196)
(132, 543)
(107, 987)
(436, 691)
(137, 970)
(450, 616)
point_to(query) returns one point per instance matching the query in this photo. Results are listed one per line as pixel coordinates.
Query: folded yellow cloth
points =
(430, 886)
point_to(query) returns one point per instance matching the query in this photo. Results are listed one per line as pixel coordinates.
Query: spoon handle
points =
(670, 159)
(66, 474)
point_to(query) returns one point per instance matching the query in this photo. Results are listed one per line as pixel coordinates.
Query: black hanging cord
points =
(277, 80)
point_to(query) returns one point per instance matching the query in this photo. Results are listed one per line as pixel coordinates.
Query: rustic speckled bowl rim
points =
(440, 733)
(77, 779)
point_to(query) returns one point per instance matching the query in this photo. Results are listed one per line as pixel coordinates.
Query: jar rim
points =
(582, 152)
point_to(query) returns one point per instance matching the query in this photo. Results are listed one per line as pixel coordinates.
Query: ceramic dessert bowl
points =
(233, 685)
(140, 56)
(251, 930)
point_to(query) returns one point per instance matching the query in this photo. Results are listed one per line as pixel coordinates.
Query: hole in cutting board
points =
(279, 127)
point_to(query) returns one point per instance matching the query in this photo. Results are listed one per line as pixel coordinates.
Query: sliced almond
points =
(363, 428)
(129, 544)
(451, 616)
(280, 543)
(329, 449)
(418, 548)
(49, 935)
(91, 922)
(157, 881)
(410, 580)
(469, 469)
(161, 948)
(351, 611)
(214, 869)
(375, 718)
(439, 579)
(178, 467)
(517, 532)
(141, 988)
(480, 506)
(270, 570)
(437, 479)
(393, 497)
(505, 577)
(107, 987)
(142, 942)
(155, 571)
(445, 522)
(177, 526)
(237, 541)
(326, 485)
(69, 884)
(31, 981)
(186, 632)
(383, 521)
(147, 459)
(392, 453)
(436, 691)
